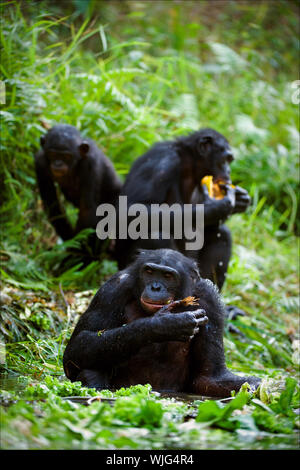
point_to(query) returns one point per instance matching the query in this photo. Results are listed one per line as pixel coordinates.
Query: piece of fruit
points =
(214, 189)
(180, 303)
(208, 181)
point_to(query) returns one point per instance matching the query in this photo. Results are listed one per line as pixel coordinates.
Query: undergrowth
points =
(127, 83)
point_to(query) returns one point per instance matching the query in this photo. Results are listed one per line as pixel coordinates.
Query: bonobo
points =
(171, 172)
(85, 175)
(154, 322)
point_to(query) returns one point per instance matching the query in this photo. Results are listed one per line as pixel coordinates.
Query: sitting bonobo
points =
(155, 322)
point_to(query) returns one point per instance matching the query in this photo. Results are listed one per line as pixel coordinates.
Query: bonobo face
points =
(159, 285)
(216, 155)
(221, 156)
(60, 162)
(63, 148)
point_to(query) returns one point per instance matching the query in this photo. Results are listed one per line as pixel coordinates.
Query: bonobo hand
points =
(226, 204)
(242, 200)
(177, 326)
(230, 195)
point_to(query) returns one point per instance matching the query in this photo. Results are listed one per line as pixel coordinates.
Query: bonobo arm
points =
(236, 200)
(90, 180)
(216, 210)
(89, 349)
(101, 338)
(98, 324)
(242, 200)
(99, 183)
(111, 184)
(104, 348)
(55, 213)
(87, 208)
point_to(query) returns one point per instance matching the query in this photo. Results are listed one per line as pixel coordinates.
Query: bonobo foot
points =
(222, 385)
(232, 312)
(93, 379)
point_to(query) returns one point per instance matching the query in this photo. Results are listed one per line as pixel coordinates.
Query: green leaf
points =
(219, 415)
(286, 396)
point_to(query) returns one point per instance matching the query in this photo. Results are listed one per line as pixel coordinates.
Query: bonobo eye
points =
(51, 154)
(148, 270)
(168, 276)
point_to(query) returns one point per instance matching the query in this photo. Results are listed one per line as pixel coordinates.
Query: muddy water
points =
(12, 383)
(190, 398)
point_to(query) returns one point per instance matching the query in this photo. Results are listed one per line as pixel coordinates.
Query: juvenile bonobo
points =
(171, 172)
(154, 322)
(85, 175)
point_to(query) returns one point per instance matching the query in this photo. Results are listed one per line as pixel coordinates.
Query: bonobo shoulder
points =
(209, 296)
(167, 156)
(115, 291)
(41, 163)
(39, 156)
(208, 285)
(161, 156)
(94, 149)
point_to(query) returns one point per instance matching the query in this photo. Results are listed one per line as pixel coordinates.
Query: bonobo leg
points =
(210, 376)
(214, 259)
(94, 379)
(222, 385)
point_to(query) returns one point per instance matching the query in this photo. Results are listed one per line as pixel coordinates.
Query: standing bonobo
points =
(154, 322)
(85, 175)
(171, 172)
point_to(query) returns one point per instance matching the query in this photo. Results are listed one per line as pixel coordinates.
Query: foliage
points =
(52, 385)
(220, 415)
(263, 417)
(138, 419)
(128, 82)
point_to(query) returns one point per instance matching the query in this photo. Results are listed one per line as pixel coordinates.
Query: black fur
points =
(171, 172)
(89, 178)
(116, 343)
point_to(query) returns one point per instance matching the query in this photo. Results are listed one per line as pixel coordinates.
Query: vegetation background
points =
(128, 74)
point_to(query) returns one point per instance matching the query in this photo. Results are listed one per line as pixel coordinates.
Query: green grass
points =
(128, 82)
(137, 418)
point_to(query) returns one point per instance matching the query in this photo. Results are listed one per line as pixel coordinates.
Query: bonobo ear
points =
(84, 148)
(204, 144)
(42, 140)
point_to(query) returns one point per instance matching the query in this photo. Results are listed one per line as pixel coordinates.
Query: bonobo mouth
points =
(153, 306)
(59, 173)
(220, 180)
